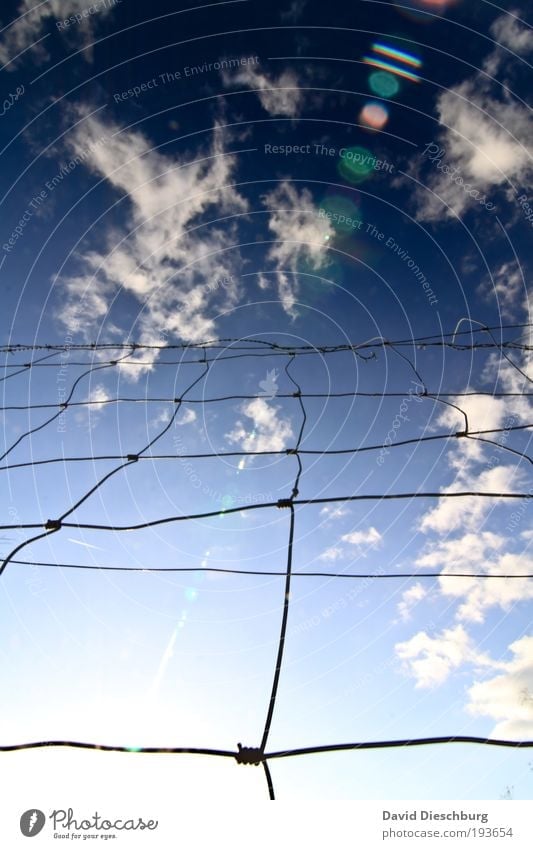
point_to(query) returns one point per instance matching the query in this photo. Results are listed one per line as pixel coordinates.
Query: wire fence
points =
(246, 348)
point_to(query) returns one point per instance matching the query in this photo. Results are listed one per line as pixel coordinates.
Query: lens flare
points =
(383, 84)
(341, 212)
(398, 55)
(355, 164)
(227, 502)
(374, 115)
(423, 11)
(386, 66)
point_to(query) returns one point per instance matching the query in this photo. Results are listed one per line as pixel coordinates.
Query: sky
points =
(322, 210)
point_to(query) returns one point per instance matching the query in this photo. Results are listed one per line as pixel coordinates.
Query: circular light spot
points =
(355, 163)
(414, 9)
(383, 84)
(374, 115)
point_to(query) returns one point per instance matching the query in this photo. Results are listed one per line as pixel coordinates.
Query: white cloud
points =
(506, 288)
(97, 396)
(31, 22)
(486, 135)
(162, 417)
(482, 553)
(370, 537)
(410, 598)
(186, 417)
(498, 593)
(507, 30)
(278, 96)
(430, 660)
(155, 259)
(300, 238)
(508, 698)
(270, 430)
(333, 553)
(462, 554)
(484, 412)
(334, 512)
(469, 512)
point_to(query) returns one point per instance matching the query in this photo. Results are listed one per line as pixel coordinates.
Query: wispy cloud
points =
(371, 536)
(361, 541)
(410, 598)
(334, 511)
(156, 257)
(278, 95)
(301, 239)
(31, 22)
(270, 431)
(486, 136)
(509, 32)
(506, 288)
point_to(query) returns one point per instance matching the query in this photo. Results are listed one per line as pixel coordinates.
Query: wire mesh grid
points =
(201, 356)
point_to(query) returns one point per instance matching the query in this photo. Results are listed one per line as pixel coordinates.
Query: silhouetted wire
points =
(459, 410)
(27, 366)
(488, 330)
(281, 503)
(247, 754)
(133, 458)
(287, 595)
(281, 646)
(267, 572)
(489, 346)
(283, 451)
(150, 750)
(296, 450)
(283, 630)
(123, 400)
(520, 454)
(391, 744)
(270, 783)
(410, 363)
(277, 350)
(282, 753)
(259, 342)
(55, 525)
(63, 407)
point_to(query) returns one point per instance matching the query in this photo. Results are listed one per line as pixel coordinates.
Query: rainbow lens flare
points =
(398, 55)
(392, 69)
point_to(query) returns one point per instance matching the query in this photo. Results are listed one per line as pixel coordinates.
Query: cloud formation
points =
(431, 660)
(277, 95)
(508, 697)
(486, 136)
(161, 257)
(270, 430)
(301, 239)
(27, 30)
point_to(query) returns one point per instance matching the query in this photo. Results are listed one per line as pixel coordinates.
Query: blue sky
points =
(248, 172)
